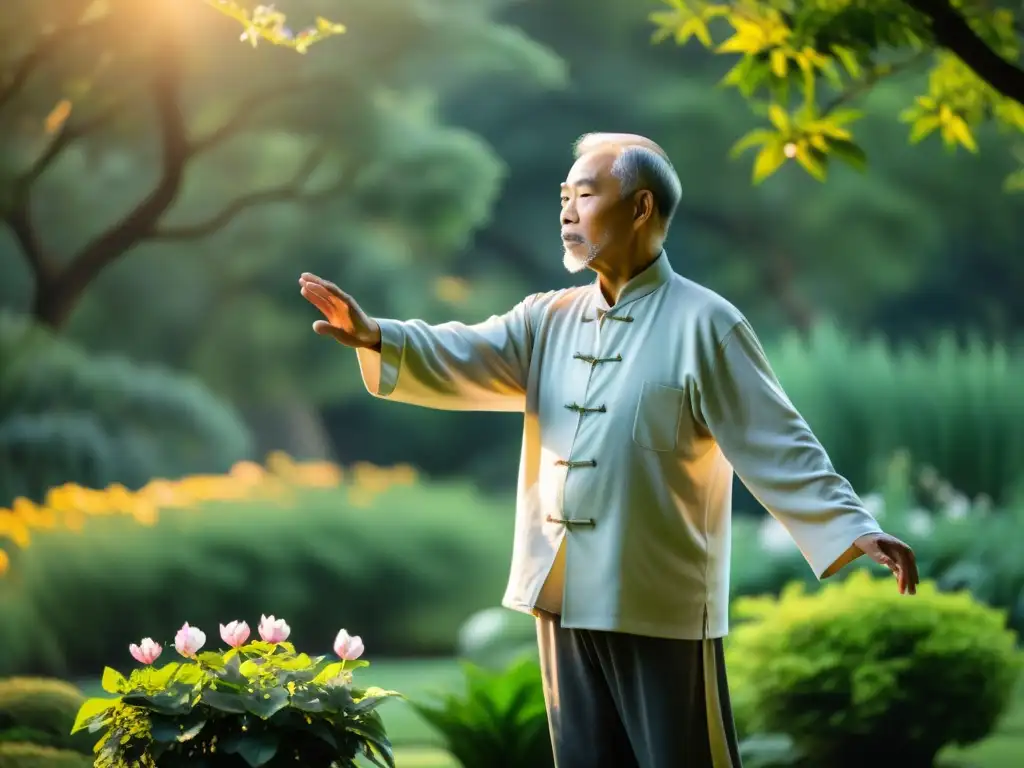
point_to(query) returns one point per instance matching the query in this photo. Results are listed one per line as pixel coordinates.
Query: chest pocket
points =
(658, 414)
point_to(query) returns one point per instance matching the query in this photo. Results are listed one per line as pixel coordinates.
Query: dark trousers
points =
(624, 701)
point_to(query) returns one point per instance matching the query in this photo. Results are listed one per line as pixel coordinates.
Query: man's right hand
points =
(343, 318)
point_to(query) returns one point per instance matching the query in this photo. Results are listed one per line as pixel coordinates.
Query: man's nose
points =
(569, 214)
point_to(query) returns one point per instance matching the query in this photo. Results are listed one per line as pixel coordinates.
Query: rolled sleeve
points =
(379, 370)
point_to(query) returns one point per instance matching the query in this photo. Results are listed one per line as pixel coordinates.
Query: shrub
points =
(257, 703)
(41, 711)
(858, 673)
(955, 407)
(496, 636)
(959, 543)
(395, 561)
(16, 755)
(66, 416)
(499, 722)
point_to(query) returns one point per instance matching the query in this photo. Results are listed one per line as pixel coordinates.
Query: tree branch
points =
(252, 102)
(69, 133)
(47, 46)
(20, 222)
(871, 79)
(141, 220)
(953, 33)
(293, 191)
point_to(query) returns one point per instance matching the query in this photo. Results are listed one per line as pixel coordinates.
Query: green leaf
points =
(164, 729)
(113, 681)
(779, 62)
(755, 138)
(779, 118)
(923, 127)
(266, 703)
(768, 160)
(211, 659)
(309, 700)
(224, 701)
(1014, 182)
(377, 747)
(189, 674)
(160, 678)
(848, 59)
(255, 748)
(831, 73)
(849, 153)
(250, 668)
(175, 701)
(812, 161)
(844, 116)
(961, 133)
(92, 711)
(231, 673)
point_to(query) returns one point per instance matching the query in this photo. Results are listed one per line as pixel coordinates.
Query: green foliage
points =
(788, 50)
(500, 721)
(858, 673)
(959, 544)
(41, 711)
(955, 407)
(266, 23)
(370, 185)
(28, 755)
(68, 417)
(394, 566)
(496, 636)
(262, 704)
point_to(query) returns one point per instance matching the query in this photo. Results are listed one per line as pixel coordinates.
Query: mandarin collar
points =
(655, 275)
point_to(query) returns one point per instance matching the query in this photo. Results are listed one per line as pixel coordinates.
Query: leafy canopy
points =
(801, 64)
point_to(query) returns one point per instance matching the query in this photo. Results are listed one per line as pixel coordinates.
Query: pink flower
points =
(235, 633)
(146, 652)
(348, 647)
(189, 640)
(274, 630)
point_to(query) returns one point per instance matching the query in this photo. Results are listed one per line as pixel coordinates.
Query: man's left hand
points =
(894, 555)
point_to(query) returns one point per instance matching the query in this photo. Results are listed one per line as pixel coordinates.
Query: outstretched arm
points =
(453, 366)
(779, 459)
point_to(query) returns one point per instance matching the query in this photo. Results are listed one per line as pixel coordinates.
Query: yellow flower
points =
(14, 528)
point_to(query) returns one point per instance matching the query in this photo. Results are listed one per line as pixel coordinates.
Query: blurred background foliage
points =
(163, 185)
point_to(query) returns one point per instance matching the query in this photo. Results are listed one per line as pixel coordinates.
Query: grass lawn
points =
(417, 746)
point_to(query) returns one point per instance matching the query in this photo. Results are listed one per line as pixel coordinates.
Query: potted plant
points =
(258, 703)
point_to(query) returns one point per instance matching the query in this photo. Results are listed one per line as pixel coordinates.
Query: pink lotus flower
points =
(234, 634)
(189, 640)
(348, 647)
(146, 652)
(274, 630)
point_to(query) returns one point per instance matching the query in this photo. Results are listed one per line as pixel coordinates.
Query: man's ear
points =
(643, 207)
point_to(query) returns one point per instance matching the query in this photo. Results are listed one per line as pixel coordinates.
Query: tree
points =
(790, 51)
(116, 77)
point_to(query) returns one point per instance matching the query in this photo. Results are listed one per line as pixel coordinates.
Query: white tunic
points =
(635, 417)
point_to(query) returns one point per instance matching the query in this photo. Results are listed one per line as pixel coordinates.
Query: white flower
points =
(874, 505)
(773, 537)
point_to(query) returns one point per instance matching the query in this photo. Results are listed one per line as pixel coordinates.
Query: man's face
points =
(594, 215)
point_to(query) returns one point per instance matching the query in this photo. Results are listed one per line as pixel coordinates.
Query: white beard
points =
(575, 263)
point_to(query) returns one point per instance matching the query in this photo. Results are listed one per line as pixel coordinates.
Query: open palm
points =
(343, 317)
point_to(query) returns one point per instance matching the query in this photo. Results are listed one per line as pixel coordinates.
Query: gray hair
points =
(640, 164)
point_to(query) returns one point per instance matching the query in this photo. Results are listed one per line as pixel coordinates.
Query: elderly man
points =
(641, 393)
